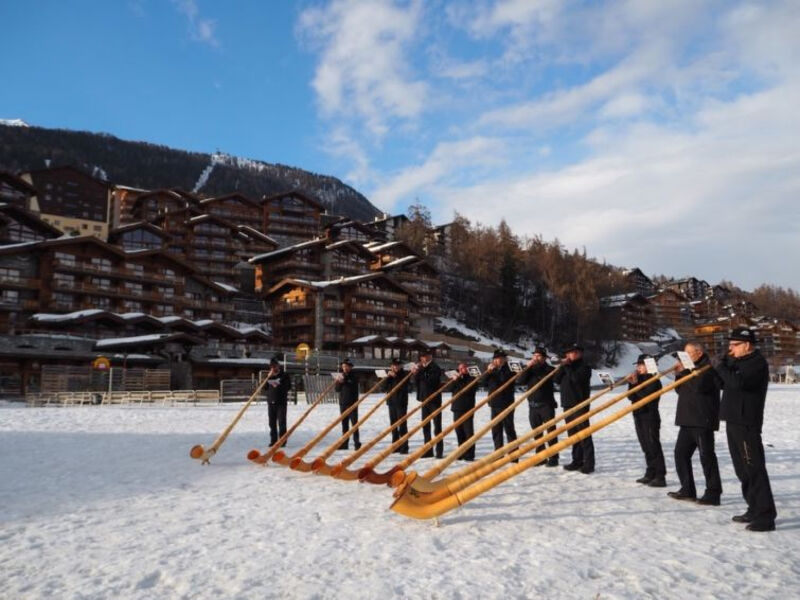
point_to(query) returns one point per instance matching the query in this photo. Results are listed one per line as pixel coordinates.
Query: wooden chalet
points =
(235, 208)
(154, 205)
(18, 225)
(139, 236)
(15, 190)
(71, 200)
(671, 309)
(291, 217)
(630, 313)
(637, 281)
(691, 287)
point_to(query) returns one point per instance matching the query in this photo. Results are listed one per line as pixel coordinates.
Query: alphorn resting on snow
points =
(410, 503)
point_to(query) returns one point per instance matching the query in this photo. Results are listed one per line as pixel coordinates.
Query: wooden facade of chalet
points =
(236, 209)
(73, 201)
(691, 287)
(671, 309)
(347, 229)
(153, 206)
(139, 236)
(779, 341)
(82, 273)
(291, 217)
(631, 314)
(638, 282)
(328, 314)
(389, 224)
(18, 225)
(15, 190)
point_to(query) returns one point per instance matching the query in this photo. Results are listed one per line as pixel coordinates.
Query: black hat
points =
(540, 350)
(640, 360)
(426, 352)
(346, 361)
(574, 348)
(499, 353)
(397, 361)
(275, 360)
(743, 334)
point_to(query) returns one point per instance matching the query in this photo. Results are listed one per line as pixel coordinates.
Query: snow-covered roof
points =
(401, 261)
(287, 249)
(138, 339)
(59, 318)
(227, 287)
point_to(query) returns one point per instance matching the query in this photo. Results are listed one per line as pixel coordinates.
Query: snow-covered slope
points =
(104, 502)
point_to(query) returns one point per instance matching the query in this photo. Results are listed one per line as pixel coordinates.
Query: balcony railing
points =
(376, 309)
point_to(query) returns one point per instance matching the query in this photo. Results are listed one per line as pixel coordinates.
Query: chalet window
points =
(131, 305)
(103, 264)
(102, 302)
(7, 274)
(217, 316)
(101, 282)
(63, 299)
(188, 313)
(134, 287)
(138, 269)
(10, 297)
(67, 259)
(165, 291)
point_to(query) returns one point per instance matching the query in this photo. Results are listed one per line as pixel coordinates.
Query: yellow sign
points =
(101, 363)
(302, 352)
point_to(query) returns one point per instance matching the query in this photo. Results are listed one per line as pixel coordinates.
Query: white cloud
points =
(200, 29)
(363, 70)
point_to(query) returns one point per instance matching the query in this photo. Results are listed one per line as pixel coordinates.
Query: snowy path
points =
(101, 502)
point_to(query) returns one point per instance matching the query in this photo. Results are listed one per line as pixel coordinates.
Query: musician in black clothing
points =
(697, 415)
(573, 380)
(427, 379)
(347, 386)
(463, 404)
(647, 421)
(398, 402)
(497, 373)
(278, 384)
(542, 403)
(745, 376)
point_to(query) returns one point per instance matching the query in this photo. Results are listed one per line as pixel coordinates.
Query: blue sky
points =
(654, 134)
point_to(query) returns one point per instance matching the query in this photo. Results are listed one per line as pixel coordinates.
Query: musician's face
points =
(641, 368)
(346, 368)
(738, 348)
(538, 358)
(462, 369)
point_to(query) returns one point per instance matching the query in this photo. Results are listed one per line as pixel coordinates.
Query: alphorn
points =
(297, 458)
(409, 506)
(204, 454)
(448, 460)
(367, 472)
(397, 473)
(432, 490)
(319, 465)
(340, 471)
(263, 458)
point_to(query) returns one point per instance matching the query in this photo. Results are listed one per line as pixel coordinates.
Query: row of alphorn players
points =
(741, 377)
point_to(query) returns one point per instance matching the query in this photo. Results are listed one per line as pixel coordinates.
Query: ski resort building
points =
(631, 313)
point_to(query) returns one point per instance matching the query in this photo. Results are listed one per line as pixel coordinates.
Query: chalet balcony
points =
(116, 272)
(378, 310)
(20, 282)
(294, 322)
(287, 307)
(333, 305)
(374, 293)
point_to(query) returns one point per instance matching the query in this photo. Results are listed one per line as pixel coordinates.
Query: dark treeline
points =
(509, 286)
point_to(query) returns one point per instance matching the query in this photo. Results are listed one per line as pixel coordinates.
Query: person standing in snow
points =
(347, 387)
(398, 402)
(427, 379)
(278, 384)
(542, 403)
(745, 376)
(647, 421)
(574, 384)
(463, 404)
(697, 415)
(497, 374)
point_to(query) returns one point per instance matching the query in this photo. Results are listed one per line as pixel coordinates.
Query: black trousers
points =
(747, 454)
(702, 439)
(437, 428)
(463, 432)
(348, 422)
(276, 414)
(583, 451)
(537, 415)
(398, 411)
(507, 425)
(648, 430)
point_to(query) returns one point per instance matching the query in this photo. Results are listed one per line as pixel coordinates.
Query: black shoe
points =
(708, 500)
(587, 470)
(428, 454)
(762, 526)
(572, 467)
(541, 464)
(645, 480)
(403, 451)
(657, 482)
(744, 518)
(552, 461)
(357, 445)
(439, 455)
(679, 495)
(344, 447)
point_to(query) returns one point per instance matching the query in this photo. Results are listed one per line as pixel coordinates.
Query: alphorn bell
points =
(263, 458)
(340, 471)
(205, 455)
(430, 490)
(397, 474)
(409, 506)
(319, 464)
(297, 458)
(367, 472)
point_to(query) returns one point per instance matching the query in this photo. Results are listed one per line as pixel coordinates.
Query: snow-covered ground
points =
(104, 502)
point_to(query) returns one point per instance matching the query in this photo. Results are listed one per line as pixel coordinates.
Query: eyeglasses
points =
(736, 343)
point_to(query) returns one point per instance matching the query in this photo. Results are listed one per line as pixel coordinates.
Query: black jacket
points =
(279, 394)
(494, 380)
(545, 395)
(348, 389)
(744, 389)
(466, 401)
(400, 397)
(698, 399)
(649, 410)
(428, 379)
(573, 381)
